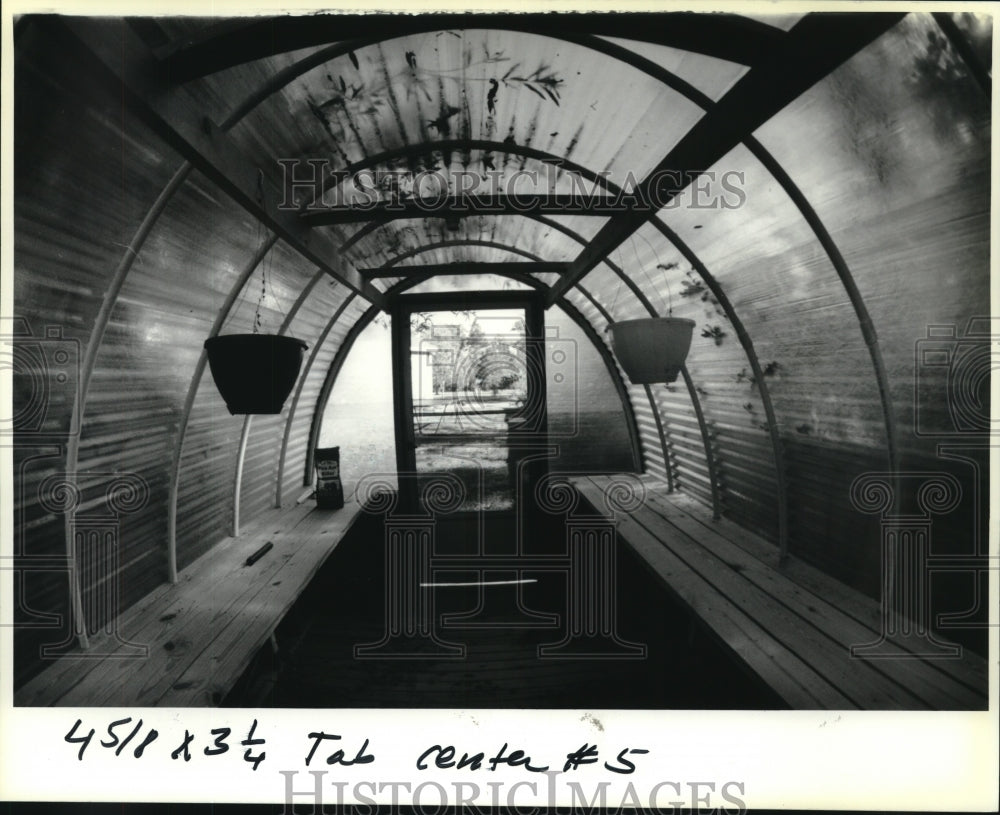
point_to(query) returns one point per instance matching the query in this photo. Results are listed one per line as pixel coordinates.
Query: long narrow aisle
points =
(344, 606)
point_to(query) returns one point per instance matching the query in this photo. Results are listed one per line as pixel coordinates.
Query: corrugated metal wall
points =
(891, 151)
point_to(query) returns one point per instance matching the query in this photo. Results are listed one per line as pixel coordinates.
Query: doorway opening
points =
(469, 383)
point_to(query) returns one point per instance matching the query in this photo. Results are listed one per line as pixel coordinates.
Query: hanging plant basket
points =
(254, 372)
(652, 349)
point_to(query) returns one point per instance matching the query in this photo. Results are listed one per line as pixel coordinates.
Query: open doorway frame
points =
(532, 432)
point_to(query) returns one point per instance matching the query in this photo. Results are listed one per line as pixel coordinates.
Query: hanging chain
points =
(260, 243)
(665, 267)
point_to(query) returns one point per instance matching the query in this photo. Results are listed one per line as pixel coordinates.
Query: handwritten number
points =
(83, 741)
(151, 736)
(629, 766)
(250, 740)
(111, 732)
(221, 734)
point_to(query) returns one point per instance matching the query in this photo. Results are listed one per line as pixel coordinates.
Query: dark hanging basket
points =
(254, 372)
(652, 349)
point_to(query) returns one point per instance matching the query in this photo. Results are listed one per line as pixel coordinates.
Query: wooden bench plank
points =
(193, 616)
(177, 622)
(172, 629)
(54, 682)
(199, 613)
(859, 682)
(796, 682)
(914, 676)
(248, 628)
(782, 606)
(971, 670)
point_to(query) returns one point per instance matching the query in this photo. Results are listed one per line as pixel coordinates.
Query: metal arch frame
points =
(101, 320)
(777, 447)
(702, 100)
(654, 408)
(854, 297)
(724, 302)
(689, 384)
(615, 373)
(118, 281)
(411, 282)
(271, 86)
(798, 199)
(418, 149)
(791, 189)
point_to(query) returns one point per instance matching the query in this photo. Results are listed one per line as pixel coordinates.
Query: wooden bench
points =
(789, 624)
(203, 631)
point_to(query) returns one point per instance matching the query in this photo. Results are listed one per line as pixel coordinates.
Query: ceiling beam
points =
(172, 113)
(724, 36)
(463, 206)
(814, 47)
(430, 269)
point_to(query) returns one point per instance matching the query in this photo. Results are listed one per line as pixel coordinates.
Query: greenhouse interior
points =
(616, 360)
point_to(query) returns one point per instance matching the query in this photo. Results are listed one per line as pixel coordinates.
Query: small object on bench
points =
(329, 490)
(267, 547)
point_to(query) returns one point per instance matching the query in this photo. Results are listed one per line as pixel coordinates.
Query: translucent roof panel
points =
(473, 282)
(712, 76)
(612, 291)
(432, 174)
(492, 85)
(787, 293)
(519, 238)
(892, 150)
